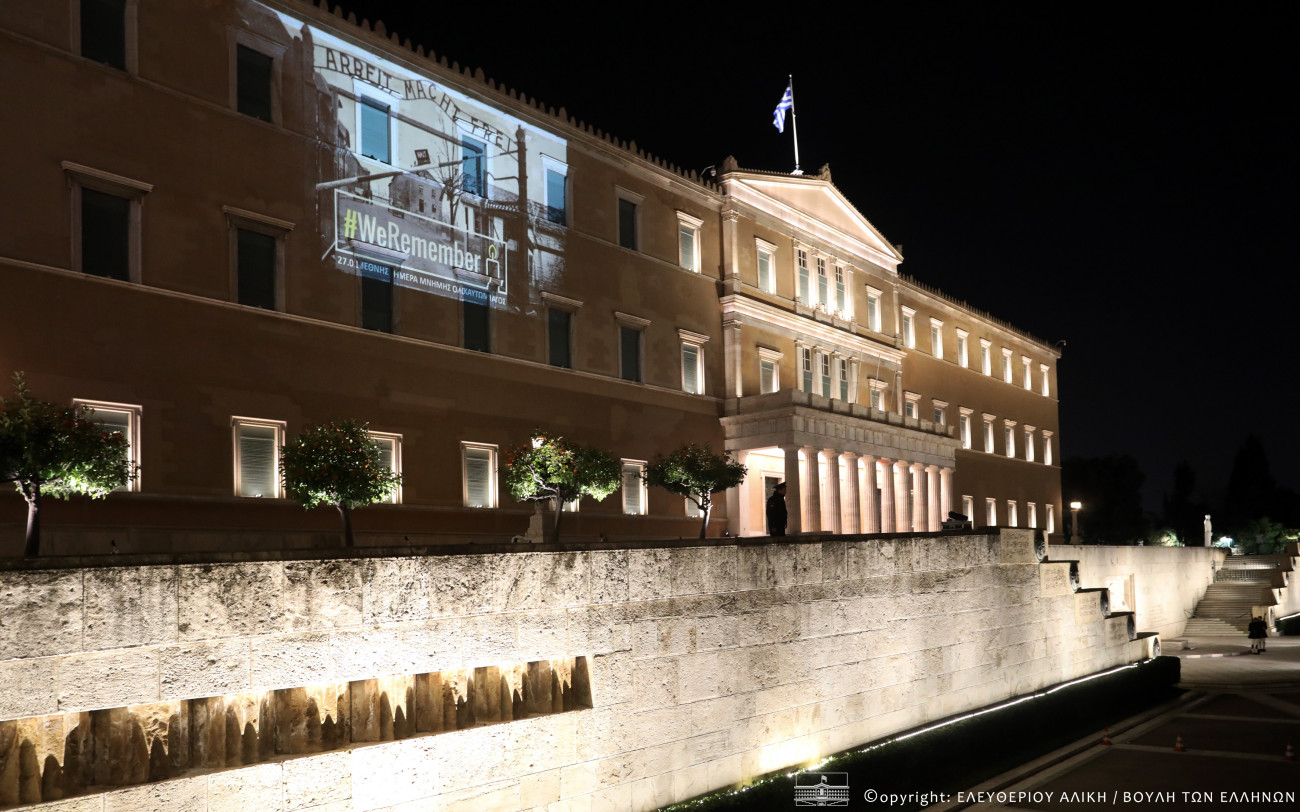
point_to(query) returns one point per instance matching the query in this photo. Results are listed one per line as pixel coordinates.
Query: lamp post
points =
(1074, 521)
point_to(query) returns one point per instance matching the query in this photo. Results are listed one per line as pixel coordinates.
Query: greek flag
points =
(786, 103)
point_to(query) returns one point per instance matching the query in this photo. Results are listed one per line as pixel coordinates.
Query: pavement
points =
(1239, 716)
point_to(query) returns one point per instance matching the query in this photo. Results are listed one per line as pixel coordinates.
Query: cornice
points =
(811, 331)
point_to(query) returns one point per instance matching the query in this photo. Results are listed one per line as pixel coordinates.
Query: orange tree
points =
(336, 464)
(697, 473)
(49, 450)
(553, 469)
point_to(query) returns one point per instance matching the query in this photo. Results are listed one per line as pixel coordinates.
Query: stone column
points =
(902, 492)
(812, 461)
(833, 522)
(738, 502)
(945, 491)
(733, 358)
(932, 497)
(793, 489)
(852, 499)
(888, 524)
(870, 500)
(920, 515)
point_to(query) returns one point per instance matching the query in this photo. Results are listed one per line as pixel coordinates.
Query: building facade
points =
(235, 220)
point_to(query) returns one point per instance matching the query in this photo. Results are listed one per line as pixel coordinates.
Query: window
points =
(390, 458)
(254, 79)
(693, 510)
(936, 338)
(123, 419)
(473, 166)
(1051, 517)
(480, 466)
(559, 332)
(988, 433)
(766, 258)
(1047, 448)
(805, 290)
(1029, 443)
(1042, 372)
(991, 512)
(634, 488)
(106, 222)
(878, 394)
(629, 215)
(986, 356)
(557, 180)
(841, 303)
(769, 370)
(1024, 369)
(688, 241)
(844, 379)
(631, 331)
(964, 425)
(826, 374)
(823, 294)
(910, 407)
(940, 412)
(1009, 437)
(1031, 510)
(692, 361)
(963, 353)
(476, 324)
(374, 127)
(257, 457)
(873, 309)
(103, 28)
(909, 328)
(256, 264)
(968, 507)
(1006, 365)
(1012, 518)
(805, 366)
(911, 404)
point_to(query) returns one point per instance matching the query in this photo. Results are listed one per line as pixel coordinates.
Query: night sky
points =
(1116, 182)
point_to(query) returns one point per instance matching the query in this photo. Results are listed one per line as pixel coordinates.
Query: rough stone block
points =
(167, 796)
(372, 652)
(609, 576)
(93, 803)
(807, 564)
(394, 772)
(612, 799)
(487, 639)
(291, 660)
(652, 793)
(718, 631)
(231, 600)
(543, 635)
(396, 589)
(611, 678)
(41, 613)
(312, 781)
(204, 669)
(600, 629)
(649, 574)
(108, 680)
(249, 788)
(431, 646)
(498, 796)
(654, 682)
(322, 594)
(656, 638)
(28, 688)
(127, 606)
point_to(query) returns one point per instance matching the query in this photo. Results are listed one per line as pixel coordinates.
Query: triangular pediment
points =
(814, 205)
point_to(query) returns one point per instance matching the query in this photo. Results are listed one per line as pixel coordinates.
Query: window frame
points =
(1031, 511)
(763, 248)
(907, 327)
(843, 301)
(82, 177)
(1013, 514)
(823, 283)
(940, 411)
(1047, 447)
(481, 176)
(989, 447)
(236, 422)
(562, 304)
(767, 355)
(1029, 443)
(689, 225)
(396, 467)
(133, 412)
(130, 33)
(990, 512)
(966, 429)
(912, 405)
(552, 166)
(494, 498)
(368, 96)
(806, 369)
(464, 320)
(803, 278)
(936, 338)
(963, 348)
(688, 338)
(1027, 370)
(1045, 388)
(986, 357)
(1050, 518)
(873, 309)
(825, 374)
(968, 507)
(275, 52)
(635, 200)
(1006, 365)
(1009, 438)
(243, 220)
(876, 397)
(638, 325)
(640, 466)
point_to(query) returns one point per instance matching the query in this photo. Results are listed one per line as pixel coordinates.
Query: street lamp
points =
(1075, 507)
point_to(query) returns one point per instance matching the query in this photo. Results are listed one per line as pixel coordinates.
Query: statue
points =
(1207, 530)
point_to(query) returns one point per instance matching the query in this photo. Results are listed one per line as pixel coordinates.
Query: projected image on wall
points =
(430, 190)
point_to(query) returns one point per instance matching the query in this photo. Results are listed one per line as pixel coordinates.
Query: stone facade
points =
(689, 667)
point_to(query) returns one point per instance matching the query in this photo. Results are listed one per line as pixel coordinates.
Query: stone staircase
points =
(1243, 582)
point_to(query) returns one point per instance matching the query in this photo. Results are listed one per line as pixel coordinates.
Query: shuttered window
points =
(390, 458)
(118, 418)
(480, 476)
(257, 458)
(633, 488)
(691, 379)
(767, 376)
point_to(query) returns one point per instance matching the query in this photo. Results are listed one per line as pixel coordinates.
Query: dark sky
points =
(1123, 183)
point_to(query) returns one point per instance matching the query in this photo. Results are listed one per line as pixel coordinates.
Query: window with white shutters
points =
(257, 457)
(480, 475)
(123, 419)
(390, 458)
(633, 488)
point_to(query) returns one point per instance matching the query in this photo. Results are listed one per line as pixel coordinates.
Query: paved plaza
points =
(1236, 721)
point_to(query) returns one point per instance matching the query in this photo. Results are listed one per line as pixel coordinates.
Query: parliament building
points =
(229, 222)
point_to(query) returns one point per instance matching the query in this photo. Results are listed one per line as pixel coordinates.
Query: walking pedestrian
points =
(776, 512)
(1258, 631)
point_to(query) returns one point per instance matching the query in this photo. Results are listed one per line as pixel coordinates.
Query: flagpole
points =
(794, 122)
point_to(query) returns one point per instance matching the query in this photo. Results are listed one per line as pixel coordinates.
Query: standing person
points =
(1258, 631)
(776, 513)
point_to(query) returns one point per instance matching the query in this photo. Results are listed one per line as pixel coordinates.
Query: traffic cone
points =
(1290, 754)
(1178, 744)
(1105, 737)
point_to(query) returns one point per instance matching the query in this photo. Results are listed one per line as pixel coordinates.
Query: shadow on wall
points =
(47, 758)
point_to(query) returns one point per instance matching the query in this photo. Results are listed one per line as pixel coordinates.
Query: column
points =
(852, 499)
(739, 501)
(902, 492)
(870, 500)
(833, 522)
(933, 498)
(920, 516)
(945, 491)
(813, 465)
(887, 501)
(793, 489)
(733, 359)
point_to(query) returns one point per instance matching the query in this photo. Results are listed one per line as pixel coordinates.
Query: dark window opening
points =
(256, 258)
(630, 352)
(476, 322)
(558, 322)
(627, 224)
(253, 83)
(376, 297)
(105, 235)
(103, 32)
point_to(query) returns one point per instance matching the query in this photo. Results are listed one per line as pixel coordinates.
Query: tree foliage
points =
(337, 464)
(50, 450)
(696, 472)
(549, 468)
